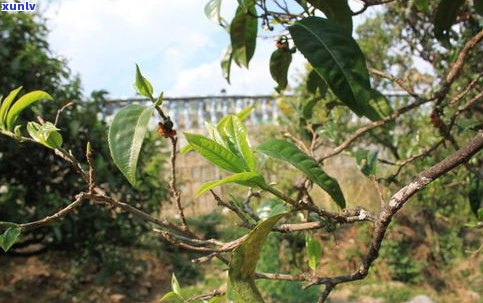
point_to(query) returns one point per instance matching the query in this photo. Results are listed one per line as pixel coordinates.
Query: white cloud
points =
(176, 46)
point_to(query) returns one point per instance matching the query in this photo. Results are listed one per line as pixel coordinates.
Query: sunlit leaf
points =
(237, 139)
(142, 85)
(46, 134)
(216, 153)
(126, 136)
(367, 161)
(250, 179)
(171, 297)
(7, 102)
(287, 151)
(22, 103)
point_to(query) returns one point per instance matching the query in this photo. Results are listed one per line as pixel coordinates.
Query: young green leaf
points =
(245, 113)
(142, 85)
(175, 285)
(46, 134)
(8, 238)
(314, 251)
(337, 11)
(279, 64)
(243, 35)
(287, 151)
(445, 17)
(22, 103)
(250, 179)
(226, 63)
(6, 106)
(171, 297)
(244, 260)
(337, 58)
(126, 136)
(215, 153)
(235, 134)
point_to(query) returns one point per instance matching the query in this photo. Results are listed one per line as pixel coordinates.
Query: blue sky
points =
(176, 46)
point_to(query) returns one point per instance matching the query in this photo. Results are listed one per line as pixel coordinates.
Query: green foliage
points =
(243, 34)
(216, 153)
(142, 85)
(250, 179)
(279, 63)
(367, 161)
(314, 251)
(337, 59)
(46, 134)
(126, 136)
(226, 63)
(244, 260)
(445, 17)
(287, 151)
(8, 238)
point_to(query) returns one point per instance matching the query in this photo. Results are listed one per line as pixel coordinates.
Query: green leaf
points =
(478, 4)
(445, 17)
(337, 11)
(237, 139)
(243, 35)
(171, 297)
(314, 251)
(367, 161)
(475, 195)
(315, 82)
(175, 285)
(215, 153)
(7, 102)
(308, 108)
(226, 63)
(279, 64)
(126, 136)
(22, 103)
(46, 134)
(337, 58)
(244, 260)
(287, 151)
(245, 113)
(271, 208)
(212, 11)
(250, 179)
(142, 85)
(185, 149)
(422, 5)
(8, 238)
(382, 107)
